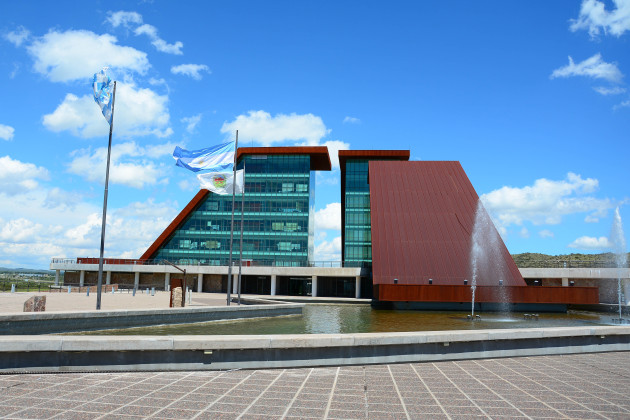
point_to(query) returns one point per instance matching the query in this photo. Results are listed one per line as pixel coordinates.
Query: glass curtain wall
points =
(278, 225)
(358, 231)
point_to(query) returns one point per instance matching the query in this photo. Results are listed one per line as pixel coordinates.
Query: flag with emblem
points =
(222, 182)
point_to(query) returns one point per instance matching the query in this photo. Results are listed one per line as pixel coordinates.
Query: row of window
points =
(256, 246)
(276, 164)
(258, 225)
(358, 235)
(363, 253)
(358, 218)
(357, 201)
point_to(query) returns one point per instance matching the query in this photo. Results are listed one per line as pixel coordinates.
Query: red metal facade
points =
(422, 221)
(484, 294)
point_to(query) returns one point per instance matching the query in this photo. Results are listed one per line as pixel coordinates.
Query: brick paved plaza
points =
(585, 386)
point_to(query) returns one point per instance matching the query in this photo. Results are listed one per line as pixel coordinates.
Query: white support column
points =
(234, 283)
(273, 285)
(565, 281)
(167, 281)
(81, 278)
(625, 287)
(136, 280)
(200, 282)
(314, 287)
(108, 278)
(357, 287)
(57, 277)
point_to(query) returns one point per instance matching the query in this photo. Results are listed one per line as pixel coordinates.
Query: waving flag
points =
(103, 87)
(219, 158)
(221, 182)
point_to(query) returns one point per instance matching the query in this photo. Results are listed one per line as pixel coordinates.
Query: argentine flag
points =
(219, 158)
(103, 95)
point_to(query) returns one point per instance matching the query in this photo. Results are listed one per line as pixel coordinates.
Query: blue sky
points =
(531, 97)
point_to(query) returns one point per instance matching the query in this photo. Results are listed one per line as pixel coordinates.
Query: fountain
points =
(485, 252)
(618, 244)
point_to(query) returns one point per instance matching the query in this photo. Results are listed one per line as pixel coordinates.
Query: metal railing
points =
(246, 263)
(566, 264)
(331, 264)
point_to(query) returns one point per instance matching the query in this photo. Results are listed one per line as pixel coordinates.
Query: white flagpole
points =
(100, 261)
(229, 285)
(240, 262)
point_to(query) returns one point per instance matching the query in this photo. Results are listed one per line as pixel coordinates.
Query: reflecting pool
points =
(357, 318)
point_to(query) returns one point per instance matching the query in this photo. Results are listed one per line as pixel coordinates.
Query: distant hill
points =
(530, 259)
(25, 270)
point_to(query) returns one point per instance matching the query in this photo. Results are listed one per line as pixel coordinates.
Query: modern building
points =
(278, 216)
(406, 236)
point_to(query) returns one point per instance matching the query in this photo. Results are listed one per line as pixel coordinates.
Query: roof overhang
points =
(320, 159)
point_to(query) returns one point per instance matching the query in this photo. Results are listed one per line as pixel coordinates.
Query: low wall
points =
(59, 322)
(486, 294)
(142, 353)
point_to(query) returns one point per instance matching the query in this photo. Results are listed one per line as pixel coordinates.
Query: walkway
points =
(588, 386)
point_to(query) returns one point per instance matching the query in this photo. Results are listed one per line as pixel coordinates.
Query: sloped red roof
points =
(423, 215)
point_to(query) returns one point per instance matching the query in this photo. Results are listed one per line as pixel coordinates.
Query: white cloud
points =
(545, 202)
(328, 251)
(191, 122)
(18, 36)
(524, 233)
(591, 243)
(328, 217)
(306, 129)
(157, 42)
(191, 70)
(595, 17)
(260, 126)
(334, 146)
(137, 112)
(546, 233)
(624, 104)
(351, 120)
(19, 230)
(56, 197)
(6, 132)
(74, 55)
(124, 18)
(41, 233)
(592, 67)
(17, 177)
(188, 185)
(130, 165)
(609, 91)
(592, 218)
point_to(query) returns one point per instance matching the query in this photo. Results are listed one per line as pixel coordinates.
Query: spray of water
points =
(485, 254)
(618, 242)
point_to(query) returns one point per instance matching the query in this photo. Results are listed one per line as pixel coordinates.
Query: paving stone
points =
(36, 413)
(175, 413)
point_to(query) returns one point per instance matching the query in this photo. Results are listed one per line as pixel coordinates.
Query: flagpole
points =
(100, 261)
(229, 285)
(240, 261)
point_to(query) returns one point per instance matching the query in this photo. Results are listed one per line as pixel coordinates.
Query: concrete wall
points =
(138, 353)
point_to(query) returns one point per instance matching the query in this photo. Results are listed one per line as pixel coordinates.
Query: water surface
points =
(357, 318)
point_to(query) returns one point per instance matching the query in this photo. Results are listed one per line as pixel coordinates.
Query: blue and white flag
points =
(222, 183)
(219, 158)
(103, 93)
